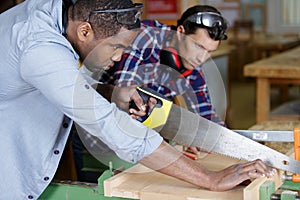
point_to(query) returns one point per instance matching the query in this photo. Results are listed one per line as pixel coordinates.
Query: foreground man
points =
(42, 91)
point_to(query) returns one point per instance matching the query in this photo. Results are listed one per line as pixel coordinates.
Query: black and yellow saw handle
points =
(160, 113)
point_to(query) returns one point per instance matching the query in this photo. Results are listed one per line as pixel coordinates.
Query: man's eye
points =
(200, 47)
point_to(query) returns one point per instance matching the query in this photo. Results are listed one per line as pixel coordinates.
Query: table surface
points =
(283, 65)
(283, 69)
(265, 46)
(278, 43)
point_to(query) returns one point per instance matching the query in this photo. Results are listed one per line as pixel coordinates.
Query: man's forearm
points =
(168, 160)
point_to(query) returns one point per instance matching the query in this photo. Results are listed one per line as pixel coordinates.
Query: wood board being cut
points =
(142, 183)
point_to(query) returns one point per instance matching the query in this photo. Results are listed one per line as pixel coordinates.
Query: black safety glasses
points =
(215, 24)
(127, 16)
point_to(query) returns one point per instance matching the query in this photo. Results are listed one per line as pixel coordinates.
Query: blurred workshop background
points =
(259, 30)
(252, 23)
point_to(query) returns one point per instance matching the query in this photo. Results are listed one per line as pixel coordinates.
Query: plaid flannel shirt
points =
(140, 65)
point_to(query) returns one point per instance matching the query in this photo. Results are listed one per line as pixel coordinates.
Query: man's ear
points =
(85, 31)
(180, 29)
(180, 32)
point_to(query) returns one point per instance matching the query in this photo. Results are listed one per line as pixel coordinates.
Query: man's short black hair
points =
(104, 24)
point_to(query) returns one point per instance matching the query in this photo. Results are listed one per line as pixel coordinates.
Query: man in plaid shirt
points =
(143, 63)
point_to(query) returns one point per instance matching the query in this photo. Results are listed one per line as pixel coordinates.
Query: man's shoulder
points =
(155, 26)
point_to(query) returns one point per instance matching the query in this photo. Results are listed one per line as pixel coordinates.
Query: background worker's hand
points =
(195, 150)
(122, 96)
(236, 174)
(191, 149)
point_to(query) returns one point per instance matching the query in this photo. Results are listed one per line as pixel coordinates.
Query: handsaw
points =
(187, 128)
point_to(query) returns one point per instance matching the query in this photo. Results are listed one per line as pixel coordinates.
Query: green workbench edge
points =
(266, 190)
(79, 191)
(290, 185)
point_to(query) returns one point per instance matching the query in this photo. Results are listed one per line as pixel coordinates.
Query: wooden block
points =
(162, 192)
(140, 182)
(128, 183)
(251, 192)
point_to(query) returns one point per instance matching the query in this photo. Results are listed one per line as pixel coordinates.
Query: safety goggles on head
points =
(127, 16)
(215, 24)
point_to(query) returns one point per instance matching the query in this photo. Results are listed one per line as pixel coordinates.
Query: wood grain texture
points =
(139, 182)
(142, 183)
(145, 184)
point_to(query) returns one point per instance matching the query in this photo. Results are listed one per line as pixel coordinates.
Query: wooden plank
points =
(142, 183)
(129, 183)
(162, 192)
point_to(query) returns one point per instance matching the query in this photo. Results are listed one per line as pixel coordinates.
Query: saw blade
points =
(187, 128)
(267, 136)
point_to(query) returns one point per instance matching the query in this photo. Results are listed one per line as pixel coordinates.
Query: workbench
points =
(264, 47)
(139, 182)
(142, 183)
(282, 69)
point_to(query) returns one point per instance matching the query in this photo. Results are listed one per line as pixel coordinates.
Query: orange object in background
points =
(296, 177)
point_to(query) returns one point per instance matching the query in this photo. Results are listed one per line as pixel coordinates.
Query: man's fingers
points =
(134, 116)
(151, 102)
(138, 101)
(141, 105)
(257, 169)
(136, 113)
(193, 150)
